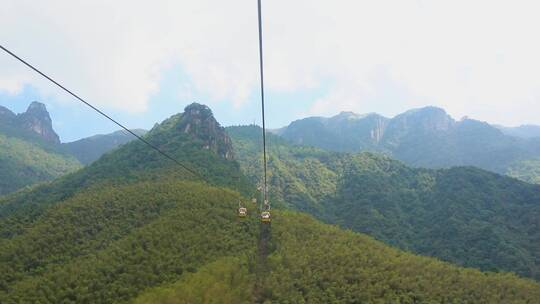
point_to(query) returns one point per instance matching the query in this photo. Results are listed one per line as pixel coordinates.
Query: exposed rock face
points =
(424, 137)
(351, 132)
(417, 123)
(426, 119)
(36, 119)
(199, 122)
(346, 131)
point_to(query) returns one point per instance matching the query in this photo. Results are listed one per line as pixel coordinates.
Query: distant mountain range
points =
(524, 131)
(426, 137)
(88, 150)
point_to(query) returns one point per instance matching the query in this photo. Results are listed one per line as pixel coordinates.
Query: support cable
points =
(265, 178)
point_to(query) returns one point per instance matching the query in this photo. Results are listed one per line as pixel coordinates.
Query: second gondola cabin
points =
(242, 212)
(266, 217)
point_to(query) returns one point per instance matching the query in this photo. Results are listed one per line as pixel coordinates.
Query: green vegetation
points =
(463, 215)
(88, 150)
(225, 281)
(131, 228)
(300, 177)
(27, 157)
(109, 245)
(527, 170)
(316, 263)
(94, 228)
(23, 163)
(131, 163)
(114, 244)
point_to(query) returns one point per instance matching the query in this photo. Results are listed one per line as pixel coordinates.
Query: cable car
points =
(266, 217)
(242, 212)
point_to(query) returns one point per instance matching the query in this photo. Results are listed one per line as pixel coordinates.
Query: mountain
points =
(132, 227)
(134, 161)
(523, 131)
(426, 137)
(34, 123)
(345, 132)
(36, 119)
(463, 215)
(88, 150)
(29, 151)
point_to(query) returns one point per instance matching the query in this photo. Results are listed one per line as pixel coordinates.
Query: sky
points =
(143, 61)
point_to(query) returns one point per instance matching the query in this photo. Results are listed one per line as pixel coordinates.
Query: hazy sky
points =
(143, 61)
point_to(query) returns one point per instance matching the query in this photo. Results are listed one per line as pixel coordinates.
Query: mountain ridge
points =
(424, 137)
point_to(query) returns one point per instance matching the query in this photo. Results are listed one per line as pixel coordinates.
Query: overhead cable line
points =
(265, 188)
(195, 173)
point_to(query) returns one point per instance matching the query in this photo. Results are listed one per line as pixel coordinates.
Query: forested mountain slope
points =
(195, 139)
(426, 137)
(463, 215)
(110, 245)
(54, 230)
(29, 151)
(316, 263)
(131, 228)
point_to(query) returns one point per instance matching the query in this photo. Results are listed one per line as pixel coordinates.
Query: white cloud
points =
(477, 58)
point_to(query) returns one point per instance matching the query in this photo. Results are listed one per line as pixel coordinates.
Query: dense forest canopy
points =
(185, 240)
(24, 163)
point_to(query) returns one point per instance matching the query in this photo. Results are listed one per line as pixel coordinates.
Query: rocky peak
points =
(36, 119)
(426, 119)
(198, 121)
